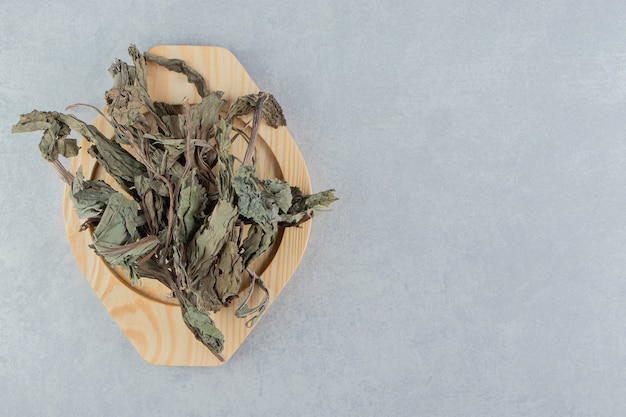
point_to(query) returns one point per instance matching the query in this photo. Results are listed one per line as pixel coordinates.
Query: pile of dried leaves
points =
(187, 212)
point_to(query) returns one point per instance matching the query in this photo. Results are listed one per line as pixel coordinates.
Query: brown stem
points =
(64, 173)
(255, 128)
(73, 106)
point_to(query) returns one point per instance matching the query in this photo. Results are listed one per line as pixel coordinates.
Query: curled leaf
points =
(203, 327)
(178, 65)
(129, 255)
(258, 240)
(118, 225)
(306, 206)
(54, 141)
(244, 310)
(272, 112)
(260, 201)
(89, 198)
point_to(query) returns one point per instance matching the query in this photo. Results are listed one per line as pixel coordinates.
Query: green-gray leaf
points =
(209, 239)
(244, 310)
(180, 66)
(278, 192)
(118, 225)
(118, 162)
(191, 202)
(251, 201)
(227, 271)
(205, 114)
(127, 255)
(54, 141)
(89, 198)
(258, 240)
(306, 206)
(224, 177)
(203, 327)
(272, 112)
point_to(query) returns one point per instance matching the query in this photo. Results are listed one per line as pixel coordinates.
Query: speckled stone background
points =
(475, 265)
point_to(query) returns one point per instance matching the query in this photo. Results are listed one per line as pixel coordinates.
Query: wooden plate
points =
(146, 314)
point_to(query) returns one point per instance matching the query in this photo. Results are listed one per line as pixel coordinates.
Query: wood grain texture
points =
(148, 317)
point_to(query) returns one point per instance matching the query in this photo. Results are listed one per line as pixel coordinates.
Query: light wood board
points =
(148, 317)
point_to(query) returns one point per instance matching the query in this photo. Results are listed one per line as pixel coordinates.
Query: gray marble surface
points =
(475, 265)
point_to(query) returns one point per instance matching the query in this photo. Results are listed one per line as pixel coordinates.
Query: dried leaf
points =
(264, 206)
(170, 117)
(225, 161)
(227, 271)
(129, 97)
(127, 256)
(66, 147)
(205, 293)
(140, 69)
(175, 147)
(252, 202)
(205, 115)
(144, 184)
(305, 207)
(191, 203)
(272, 112)
(164, 163)
(125, 105)
(152, 194)
(34, 121)
(243, 310)
(118, 162)
(54, 141)
(89, 198)
(118, 225)
(242, 106)
(258, 240)
(278, 192)
(180, 66)
(203, 327)
(209, 239)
